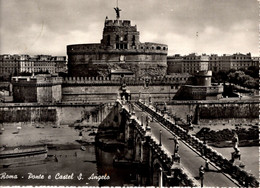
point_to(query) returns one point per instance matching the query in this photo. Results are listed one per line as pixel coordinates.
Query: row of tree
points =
(245, 77)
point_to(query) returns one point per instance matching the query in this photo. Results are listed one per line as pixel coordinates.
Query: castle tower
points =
(203, 78)
(120, 48)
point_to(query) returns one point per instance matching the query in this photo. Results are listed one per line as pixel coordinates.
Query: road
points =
(190, 160)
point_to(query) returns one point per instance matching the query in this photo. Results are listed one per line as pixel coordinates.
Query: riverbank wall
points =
(59, 114)
(215, 111)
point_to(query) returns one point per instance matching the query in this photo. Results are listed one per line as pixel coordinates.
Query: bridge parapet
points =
(171, 168)
(243, 177)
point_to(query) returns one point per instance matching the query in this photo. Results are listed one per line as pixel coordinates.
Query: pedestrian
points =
(207, 164)
(201, 171)
(176, 146)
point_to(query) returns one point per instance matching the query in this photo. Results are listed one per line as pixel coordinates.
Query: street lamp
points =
(160, 144)
(204, 136)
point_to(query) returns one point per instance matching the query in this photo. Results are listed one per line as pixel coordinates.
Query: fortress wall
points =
(115, 58)
(110, 93)
(28, 114)
(44, 94)
(38, 113)
(56, 93)
(25, 93)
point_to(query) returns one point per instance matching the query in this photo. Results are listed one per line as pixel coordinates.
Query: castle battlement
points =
(38, 80)
(141, 48)
(181, 79)
(116, 23)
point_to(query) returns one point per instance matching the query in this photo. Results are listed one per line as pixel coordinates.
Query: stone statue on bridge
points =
(150, 100)
(176, 156)
(189, 120)
(235, 141)
(236, 154)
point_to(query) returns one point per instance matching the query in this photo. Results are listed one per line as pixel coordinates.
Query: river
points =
(69, 168)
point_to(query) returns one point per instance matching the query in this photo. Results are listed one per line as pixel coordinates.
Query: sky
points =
(186, 26)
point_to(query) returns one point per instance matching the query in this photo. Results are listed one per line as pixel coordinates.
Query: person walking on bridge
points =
(201, 174)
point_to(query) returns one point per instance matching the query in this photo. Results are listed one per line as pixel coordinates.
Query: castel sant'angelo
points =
(120, 50)
(98, 71)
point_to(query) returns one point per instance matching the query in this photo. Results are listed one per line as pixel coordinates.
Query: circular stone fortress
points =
(120, 50)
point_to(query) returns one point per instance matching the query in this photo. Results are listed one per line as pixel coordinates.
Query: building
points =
(227, 62)
(13, 64)
(187, 64)
(9, 64)
(60, 64)
(255, 61)
(192, 63)
(119, 47)
(174, 64)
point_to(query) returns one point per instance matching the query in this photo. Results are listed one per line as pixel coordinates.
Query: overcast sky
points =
(47, 26)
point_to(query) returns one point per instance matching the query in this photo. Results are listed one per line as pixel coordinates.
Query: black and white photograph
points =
(129, 93)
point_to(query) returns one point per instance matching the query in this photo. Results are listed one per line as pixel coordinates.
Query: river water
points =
(81, 168)
(74, 167)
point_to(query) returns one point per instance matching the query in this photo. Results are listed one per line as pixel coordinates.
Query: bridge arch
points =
(157, 167)
(138, 148)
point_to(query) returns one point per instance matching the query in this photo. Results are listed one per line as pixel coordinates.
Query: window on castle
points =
(117, 46)
(117, 37)
(158, 48)
(125, 38)
(108, 40)
(133, 40)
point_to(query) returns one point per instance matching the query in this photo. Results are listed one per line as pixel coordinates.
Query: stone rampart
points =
(60, 114)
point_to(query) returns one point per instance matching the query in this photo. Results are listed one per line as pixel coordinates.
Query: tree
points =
(253, 71)
(251, 84)
(236, 77)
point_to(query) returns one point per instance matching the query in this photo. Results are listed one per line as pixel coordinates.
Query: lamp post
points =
(160, 177)
(160, 144)
(204, 136)
(201, 173)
